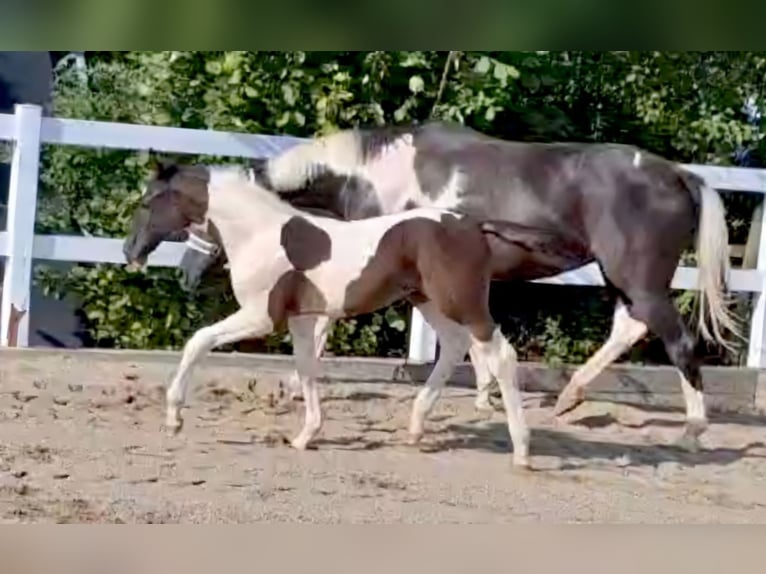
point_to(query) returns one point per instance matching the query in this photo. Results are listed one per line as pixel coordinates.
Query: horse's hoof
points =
(413, 438)
(568, 400)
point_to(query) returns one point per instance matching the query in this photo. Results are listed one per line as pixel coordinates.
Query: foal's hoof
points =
(484, 406)
(521, 465)
(688, 443)
(174, 426)
(569, 399)
(300, 443)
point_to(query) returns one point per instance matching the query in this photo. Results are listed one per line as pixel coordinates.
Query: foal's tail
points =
(712, 262)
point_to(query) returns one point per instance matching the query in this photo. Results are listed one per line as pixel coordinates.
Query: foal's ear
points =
(158, 166)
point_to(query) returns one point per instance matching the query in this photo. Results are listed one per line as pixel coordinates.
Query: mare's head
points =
(176, 199)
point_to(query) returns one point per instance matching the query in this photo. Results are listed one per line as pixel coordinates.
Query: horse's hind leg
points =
(661, 316)
(251, 321)
(626, 331)
(454, 341)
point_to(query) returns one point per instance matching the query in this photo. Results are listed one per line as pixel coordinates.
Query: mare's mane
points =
(235, 176)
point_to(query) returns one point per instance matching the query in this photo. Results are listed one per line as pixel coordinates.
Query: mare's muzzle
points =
(198, 256)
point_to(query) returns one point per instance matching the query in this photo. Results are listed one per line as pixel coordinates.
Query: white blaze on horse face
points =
(637, 159)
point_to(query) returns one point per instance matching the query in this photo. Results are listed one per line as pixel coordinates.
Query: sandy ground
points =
(83, 443)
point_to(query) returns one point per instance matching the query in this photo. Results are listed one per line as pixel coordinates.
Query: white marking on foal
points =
(637, 159)
(309, 334)
(242, 324)
(321, 328)
(484, 381)
(502, 362)
(454, 340)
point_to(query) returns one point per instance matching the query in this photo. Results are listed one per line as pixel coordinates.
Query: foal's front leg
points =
(309, 334)
(252, 321)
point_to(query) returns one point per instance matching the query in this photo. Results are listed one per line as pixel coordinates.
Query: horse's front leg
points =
(294, 383)
(309, 334)
(250, 321)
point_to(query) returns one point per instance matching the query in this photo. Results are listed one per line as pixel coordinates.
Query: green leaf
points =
(213, 67)
(482, 66)
(416, 84)
(289, 94)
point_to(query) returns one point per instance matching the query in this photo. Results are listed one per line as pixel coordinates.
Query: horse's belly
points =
(514, 262)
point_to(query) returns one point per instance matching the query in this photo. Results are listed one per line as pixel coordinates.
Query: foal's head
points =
(176, 198)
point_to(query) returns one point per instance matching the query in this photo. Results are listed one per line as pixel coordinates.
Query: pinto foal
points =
(290, 267)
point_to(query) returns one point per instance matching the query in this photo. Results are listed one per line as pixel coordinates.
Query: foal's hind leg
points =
(294, 383)
(251, 321)
(626, 331)
(454, 341)
(502, 362)
(484, 381)
(309, 334)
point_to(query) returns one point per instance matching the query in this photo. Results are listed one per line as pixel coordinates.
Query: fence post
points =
(422, 347)
(756, 355)
(20, 229)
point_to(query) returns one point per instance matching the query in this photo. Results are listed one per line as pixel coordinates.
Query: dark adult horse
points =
(550, 208)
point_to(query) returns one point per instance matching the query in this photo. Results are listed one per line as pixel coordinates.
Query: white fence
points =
(19, 244)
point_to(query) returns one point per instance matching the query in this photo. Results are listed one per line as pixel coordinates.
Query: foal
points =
(290, 267)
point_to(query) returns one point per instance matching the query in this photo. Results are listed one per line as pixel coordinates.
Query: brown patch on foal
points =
(293, 294)
(306, 245)
(447, 262)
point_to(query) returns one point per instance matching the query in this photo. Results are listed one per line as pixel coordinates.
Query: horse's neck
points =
(239, 212)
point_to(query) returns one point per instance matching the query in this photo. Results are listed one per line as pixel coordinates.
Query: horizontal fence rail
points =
(28, 130)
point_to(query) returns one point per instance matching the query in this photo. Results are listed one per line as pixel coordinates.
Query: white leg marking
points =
(309, 334)
(454, 340)
(502, 362)
(484, 381)
(626, 331)
(294, 384)
(696, 416)
(251, 321)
